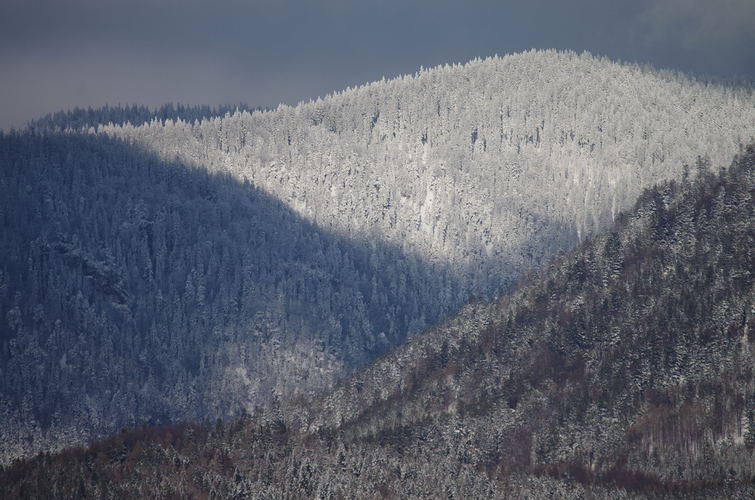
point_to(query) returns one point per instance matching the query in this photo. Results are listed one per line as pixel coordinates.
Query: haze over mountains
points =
(178, 270)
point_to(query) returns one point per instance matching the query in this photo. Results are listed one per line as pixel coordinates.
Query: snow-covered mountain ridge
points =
(488, 166)
(173, 271)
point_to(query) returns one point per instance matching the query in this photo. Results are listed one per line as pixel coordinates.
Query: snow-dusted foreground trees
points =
(174, 270)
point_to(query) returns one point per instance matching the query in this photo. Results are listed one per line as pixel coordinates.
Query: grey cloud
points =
(697, 23)
(264, 52)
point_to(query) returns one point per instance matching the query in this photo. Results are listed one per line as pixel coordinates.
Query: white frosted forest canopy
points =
(487, 167)
(177, 270)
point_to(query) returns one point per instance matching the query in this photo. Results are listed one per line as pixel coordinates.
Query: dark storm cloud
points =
(61, 54)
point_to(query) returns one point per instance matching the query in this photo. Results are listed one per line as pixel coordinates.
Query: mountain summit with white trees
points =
(165, 267)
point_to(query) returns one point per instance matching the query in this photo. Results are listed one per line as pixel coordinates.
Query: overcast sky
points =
(59, 54)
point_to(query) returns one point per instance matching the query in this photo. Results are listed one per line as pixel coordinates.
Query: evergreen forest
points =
(623, 369)
(229, 265)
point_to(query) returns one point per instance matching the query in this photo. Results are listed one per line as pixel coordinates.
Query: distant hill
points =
(135, 115)
(189, 267)
(623, 369)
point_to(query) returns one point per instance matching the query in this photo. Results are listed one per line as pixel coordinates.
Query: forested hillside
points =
(135, 115)
(492, 166)
(194, 266)
(622, 370)
(140, 291)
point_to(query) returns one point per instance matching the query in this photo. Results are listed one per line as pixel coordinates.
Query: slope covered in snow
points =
(173, 270)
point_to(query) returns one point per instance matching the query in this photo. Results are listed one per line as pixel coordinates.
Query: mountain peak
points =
(181, 269)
